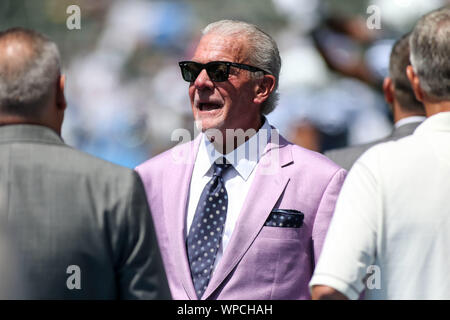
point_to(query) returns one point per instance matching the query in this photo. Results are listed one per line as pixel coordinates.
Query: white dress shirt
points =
(392, 220)
(238, 179)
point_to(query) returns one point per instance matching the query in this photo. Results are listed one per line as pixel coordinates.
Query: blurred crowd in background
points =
(124, 88)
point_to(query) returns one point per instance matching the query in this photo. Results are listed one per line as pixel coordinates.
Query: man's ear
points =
(61, 103)
(415, 83)
(264, 88)
(388, 90)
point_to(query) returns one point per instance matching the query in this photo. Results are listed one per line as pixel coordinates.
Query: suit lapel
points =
(269, 182)
(175, 205)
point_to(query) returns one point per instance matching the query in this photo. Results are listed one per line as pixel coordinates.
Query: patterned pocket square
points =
(285, 218)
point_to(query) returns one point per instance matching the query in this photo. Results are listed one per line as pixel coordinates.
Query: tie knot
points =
(220, 166)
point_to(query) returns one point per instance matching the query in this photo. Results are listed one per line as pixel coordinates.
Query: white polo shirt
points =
(391, 225)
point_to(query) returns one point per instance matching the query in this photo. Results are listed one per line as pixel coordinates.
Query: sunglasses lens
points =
(190, 71)
(218, 72)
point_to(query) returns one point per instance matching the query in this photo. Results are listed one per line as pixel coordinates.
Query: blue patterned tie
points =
(206, 230)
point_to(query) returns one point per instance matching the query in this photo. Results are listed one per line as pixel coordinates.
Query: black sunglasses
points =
(217, 71)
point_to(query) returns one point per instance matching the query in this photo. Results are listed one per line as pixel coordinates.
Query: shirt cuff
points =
(335, 283)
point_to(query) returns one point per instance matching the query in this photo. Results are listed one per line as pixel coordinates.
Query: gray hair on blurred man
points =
(389, 233)
(430, 77)
(80, 226)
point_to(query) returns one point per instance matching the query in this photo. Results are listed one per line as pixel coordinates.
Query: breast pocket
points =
(281, 233)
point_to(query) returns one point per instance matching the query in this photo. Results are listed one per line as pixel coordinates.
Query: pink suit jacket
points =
(260, 262)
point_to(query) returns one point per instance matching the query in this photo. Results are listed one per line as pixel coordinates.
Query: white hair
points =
(430, 52)
(263, 51)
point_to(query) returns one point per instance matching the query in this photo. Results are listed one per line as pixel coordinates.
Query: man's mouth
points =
(208, 106)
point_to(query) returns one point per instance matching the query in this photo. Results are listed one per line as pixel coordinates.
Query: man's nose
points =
(203, 81)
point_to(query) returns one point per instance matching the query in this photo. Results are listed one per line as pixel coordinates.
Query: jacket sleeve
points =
(140, 269)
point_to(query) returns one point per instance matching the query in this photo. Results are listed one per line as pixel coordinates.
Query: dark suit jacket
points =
(346, 157)
(64, 208)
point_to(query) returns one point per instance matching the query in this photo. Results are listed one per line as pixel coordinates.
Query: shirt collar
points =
(407, 120)
(28, 133)
(243, 159)
(437, 122)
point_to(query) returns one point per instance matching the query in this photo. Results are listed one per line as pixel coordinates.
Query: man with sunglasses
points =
(244, 213)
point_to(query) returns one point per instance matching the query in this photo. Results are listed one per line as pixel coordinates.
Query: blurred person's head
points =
(249, 91)
(397, 89)
(31, 85)
(429, 72)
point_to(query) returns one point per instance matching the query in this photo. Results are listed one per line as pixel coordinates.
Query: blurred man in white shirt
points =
(394, 211)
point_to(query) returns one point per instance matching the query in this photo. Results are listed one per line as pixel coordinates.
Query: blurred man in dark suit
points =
(80, 226)
(407, 112)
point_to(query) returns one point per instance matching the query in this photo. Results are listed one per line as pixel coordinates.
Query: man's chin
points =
(209, 125)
